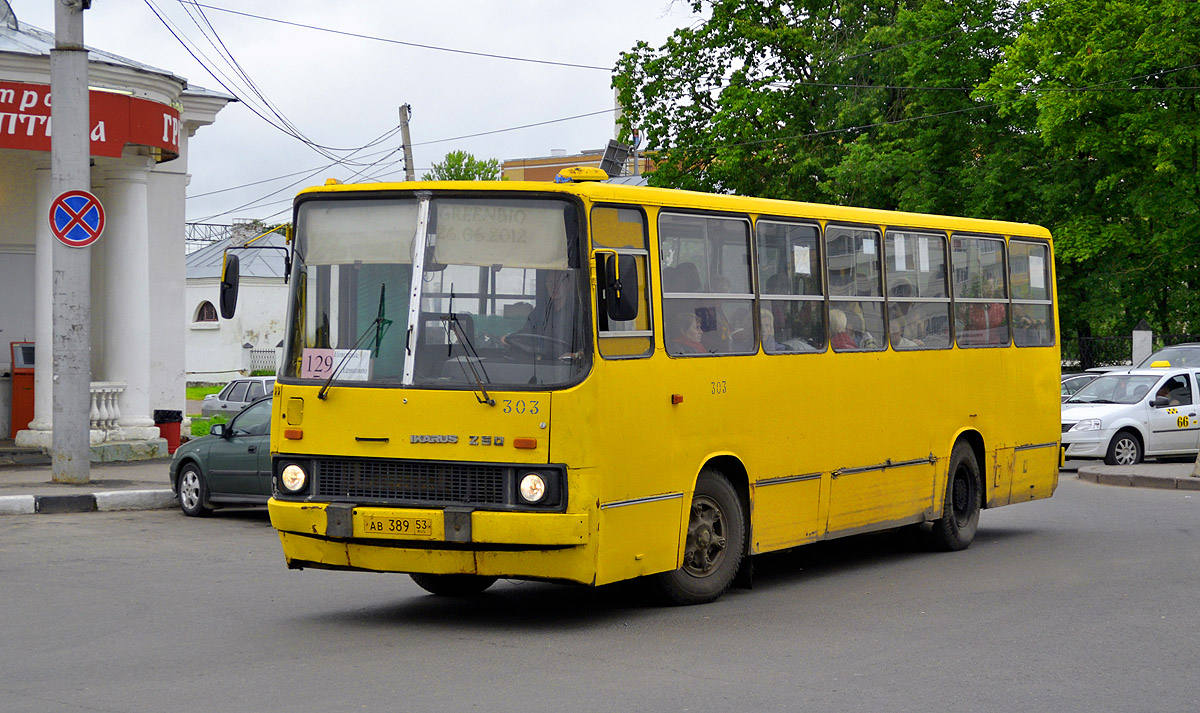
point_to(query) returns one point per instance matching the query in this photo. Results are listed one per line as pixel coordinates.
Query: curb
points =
(110, 501)
(1131, 480)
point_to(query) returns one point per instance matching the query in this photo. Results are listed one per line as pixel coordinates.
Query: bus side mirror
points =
(229, 286)
(622, 289)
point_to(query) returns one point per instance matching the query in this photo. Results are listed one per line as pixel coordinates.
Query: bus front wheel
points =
(716, 543)
(964, 496)
(453, 585)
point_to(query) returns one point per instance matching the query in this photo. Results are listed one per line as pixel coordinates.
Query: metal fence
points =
(1087, 352)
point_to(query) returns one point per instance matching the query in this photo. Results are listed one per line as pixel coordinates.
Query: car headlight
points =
(532, 488)
(1088, 424)
(293, 478)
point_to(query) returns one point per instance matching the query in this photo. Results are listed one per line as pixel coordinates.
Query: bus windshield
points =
(453, 292)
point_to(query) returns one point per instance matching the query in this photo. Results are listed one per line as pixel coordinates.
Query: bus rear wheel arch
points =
(715, 546)
(955, 529)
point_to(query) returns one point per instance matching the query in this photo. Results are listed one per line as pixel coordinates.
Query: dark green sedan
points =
(230, 466)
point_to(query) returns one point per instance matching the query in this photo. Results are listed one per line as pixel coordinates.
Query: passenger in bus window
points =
(766, 322)
(897, 322)
(839, 338)
(687, 335)
(862, 338)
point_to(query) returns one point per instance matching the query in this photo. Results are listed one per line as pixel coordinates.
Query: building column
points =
(40, 432)
(127, 327)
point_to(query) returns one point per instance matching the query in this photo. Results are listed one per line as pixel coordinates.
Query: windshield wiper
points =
(378, 327)
(472, 358)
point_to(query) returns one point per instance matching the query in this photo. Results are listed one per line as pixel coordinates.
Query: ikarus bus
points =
(588, 382)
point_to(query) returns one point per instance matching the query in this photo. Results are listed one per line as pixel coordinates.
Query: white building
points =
(220, 349)
(142, 119)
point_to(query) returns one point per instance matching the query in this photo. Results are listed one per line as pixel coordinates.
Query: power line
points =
(418, 45)
(283, 125)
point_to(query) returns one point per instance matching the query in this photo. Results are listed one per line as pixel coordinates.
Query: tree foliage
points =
(1080, 115)
(463, 166)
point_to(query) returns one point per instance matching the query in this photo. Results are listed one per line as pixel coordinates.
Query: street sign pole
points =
(70, 170)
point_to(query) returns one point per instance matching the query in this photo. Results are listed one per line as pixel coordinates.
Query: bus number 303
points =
(718, 387)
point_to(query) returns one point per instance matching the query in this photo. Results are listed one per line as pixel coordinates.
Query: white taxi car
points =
(1126, 416)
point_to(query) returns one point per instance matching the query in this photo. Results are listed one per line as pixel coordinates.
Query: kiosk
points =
(22, 386)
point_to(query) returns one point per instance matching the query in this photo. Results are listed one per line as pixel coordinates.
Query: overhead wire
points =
(418, 45)
(228, 84)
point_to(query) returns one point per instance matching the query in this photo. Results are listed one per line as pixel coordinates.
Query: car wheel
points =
(453, 585)
(192, 491)
(716, 543)
(955, 529)
(1125, 449)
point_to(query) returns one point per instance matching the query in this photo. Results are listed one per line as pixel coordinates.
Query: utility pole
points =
(70, 169)
(410, 172)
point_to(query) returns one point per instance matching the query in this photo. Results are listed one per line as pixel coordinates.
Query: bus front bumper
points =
(380, 539)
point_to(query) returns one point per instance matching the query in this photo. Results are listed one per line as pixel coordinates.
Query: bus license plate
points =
(421, 527)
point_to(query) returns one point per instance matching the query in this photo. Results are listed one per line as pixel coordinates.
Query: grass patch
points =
(200, 426)
(197, 393)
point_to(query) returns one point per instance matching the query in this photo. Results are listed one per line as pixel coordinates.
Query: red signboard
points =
(116, 119)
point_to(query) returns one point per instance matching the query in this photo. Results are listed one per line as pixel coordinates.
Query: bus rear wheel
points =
(955, 529)
(453, 585)
(716, 543)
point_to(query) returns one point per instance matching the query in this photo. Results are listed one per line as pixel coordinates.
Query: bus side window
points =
(622, 231)
(1033, 311)
(981, 316)
(792, 318)
(706, 272)
(855, 289)
(917, 290)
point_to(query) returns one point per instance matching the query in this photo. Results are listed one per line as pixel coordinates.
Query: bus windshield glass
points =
(454, 292)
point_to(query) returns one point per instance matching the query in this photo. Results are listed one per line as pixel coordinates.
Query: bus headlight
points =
(1088, 424)
(532, 488)
(293, 478)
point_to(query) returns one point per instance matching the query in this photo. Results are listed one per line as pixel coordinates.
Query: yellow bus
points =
(589, 382)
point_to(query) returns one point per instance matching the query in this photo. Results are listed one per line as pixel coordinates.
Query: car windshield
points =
(1181, 355)
(1115, 389)
(454, 292)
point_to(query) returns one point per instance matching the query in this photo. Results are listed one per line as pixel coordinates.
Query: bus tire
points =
(716, 544)
(1125, 449)
(453, 585)
(955, 529)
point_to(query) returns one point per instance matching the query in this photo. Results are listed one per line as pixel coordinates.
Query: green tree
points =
(1111, 87)
(462, 166)
(1080, 115)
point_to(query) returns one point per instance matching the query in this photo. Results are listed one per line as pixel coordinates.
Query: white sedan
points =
(1125, 416)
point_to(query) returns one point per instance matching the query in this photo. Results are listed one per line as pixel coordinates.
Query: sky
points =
(344, 92)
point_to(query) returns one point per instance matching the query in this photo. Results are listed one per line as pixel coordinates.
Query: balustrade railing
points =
(105, 408)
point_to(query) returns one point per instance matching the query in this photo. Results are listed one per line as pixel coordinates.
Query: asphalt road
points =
(1086, 602)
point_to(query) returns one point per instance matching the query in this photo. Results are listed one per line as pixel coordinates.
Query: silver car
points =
(1126, 416)
(236, 395)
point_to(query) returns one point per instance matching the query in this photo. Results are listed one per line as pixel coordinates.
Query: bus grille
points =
(428, 482)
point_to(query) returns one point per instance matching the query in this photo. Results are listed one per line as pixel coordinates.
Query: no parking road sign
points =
(76, 218)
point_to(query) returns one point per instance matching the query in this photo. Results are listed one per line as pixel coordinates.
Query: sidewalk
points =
(1168, 476)
(27, 487)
